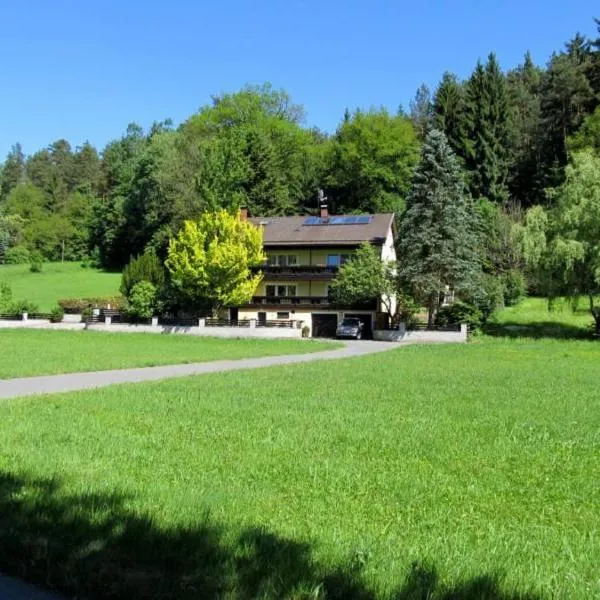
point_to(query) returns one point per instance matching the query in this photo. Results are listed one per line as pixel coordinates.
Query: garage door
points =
(367, 332)
(324, 325)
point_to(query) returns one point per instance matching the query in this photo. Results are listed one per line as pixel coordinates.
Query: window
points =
(273, 291)
(282, 316)
(282, 260)
(335, 260)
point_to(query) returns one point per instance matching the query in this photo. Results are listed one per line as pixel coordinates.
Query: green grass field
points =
(429, 472)
(533, 318)
(28, 352)
(58, 280)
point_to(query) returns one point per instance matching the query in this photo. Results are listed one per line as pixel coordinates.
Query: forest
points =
(513, 132)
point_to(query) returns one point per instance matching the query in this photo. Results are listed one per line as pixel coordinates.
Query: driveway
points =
(69, 382)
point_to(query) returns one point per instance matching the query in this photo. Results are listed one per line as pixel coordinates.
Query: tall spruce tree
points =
(524, 174)
(449, 113)
(13, 171)
(567, 97)
(487, 115)
(421, 111)
(438, 232)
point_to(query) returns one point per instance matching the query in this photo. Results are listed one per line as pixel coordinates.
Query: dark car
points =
(349, 328)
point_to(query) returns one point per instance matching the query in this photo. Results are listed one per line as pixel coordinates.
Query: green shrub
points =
(305, 331)
(57, 314)
(5, 297)
(142, 300)
(515, 287)
(36, 262)
(146, 267)
(460, 312)
(18, 255)
(406, 310)
(77, 305)
(86, 313)
(19, 307)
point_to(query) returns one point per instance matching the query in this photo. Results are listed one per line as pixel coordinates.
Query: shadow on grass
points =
(92, 546)
(541, 330)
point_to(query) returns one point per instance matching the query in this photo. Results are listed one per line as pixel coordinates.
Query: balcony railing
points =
(300, 271)
(290, 300)
(307, 301)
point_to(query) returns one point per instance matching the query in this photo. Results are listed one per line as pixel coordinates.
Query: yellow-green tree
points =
(212, 260)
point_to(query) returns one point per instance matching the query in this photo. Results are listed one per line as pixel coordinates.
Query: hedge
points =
(77, 305)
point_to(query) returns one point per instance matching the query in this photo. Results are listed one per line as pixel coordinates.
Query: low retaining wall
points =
(40, 324)
(423, 335)
(225, 332)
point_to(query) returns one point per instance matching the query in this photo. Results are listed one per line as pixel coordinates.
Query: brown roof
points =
(292, 231)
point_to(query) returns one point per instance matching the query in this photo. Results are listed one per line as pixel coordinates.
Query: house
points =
(304, 254)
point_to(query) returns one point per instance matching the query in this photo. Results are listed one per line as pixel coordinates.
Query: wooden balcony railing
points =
(290, 300)
(307, 301)
(299, 271)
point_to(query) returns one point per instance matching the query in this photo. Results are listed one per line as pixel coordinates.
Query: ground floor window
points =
(283, 316)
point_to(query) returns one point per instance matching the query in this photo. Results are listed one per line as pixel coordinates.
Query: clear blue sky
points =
(84, 70)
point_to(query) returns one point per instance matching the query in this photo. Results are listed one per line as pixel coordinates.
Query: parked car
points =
(349, 328)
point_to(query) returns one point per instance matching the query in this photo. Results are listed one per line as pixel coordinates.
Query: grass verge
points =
(58, 280)
(434, 472)
(28, 352)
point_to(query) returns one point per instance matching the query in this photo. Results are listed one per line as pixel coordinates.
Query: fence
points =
(24, 316)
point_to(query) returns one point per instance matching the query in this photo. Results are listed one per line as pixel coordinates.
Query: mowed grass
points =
(535, 318)
(429, 472)
(58, 280)
(28, 352)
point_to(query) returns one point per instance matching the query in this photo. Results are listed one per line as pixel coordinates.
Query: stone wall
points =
(403, 335)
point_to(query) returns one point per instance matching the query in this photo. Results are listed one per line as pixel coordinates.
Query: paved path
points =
(49, 384)
(11, 589)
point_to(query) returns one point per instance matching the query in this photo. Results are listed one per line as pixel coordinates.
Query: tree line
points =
(513, 135)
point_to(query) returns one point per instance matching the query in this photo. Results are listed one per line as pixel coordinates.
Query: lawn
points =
(534, 318)
(429, 472)
(58, 280)
(28, 352)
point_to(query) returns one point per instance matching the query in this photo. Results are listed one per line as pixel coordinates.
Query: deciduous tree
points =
(562, 244)
(212, 261)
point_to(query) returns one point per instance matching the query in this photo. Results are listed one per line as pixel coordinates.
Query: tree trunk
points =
(431, 312)
(596, 314)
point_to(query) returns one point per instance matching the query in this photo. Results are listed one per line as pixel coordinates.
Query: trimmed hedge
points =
(77, 305)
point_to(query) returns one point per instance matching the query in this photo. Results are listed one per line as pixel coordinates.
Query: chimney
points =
(243, 213)
(322, 204)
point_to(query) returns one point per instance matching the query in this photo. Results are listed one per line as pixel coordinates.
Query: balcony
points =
(290, 301)
(313, 272)
(306, 302)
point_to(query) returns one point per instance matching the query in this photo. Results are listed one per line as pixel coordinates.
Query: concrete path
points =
(12, 589)
(50, 384)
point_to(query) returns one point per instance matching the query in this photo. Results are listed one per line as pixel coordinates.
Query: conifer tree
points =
(449, 113)
(487, 114)
(438, 232)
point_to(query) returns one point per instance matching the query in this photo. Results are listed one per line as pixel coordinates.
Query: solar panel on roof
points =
(312, 221)
(339, 220)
